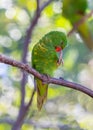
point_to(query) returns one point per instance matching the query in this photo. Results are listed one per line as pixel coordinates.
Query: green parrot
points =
(46, 57)
(74, 11)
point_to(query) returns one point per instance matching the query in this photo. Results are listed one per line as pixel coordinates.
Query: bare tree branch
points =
(25, 50)
(31, 99)
(46, 79)
(20, 119)
(46, 4)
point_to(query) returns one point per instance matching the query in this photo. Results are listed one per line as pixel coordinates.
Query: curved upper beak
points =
(60, 59)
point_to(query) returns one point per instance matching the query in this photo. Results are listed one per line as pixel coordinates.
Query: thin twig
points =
(44, 78)
(20, 120)
(31, 99)
(46, 4)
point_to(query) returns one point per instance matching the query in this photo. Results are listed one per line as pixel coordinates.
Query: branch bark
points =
(44, 78)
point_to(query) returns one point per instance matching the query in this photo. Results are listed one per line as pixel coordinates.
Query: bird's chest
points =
(46, 62)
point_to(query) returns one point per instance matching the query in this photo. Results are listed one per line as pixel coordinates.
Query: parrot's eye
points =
(58, 48)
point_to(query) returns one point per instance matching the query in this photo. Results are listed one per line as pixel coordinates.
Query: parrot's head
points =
(58, 40)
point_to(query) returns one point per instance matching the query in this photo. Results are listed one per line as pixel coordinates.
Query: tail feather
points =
(42, 89)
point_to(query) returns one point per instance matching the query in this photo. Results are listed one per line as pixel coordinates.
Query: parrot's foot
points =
(60, 61)
(61, 78)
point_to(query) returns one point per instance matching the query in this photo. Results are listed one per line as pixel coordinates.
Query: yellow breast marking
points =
(41, 46)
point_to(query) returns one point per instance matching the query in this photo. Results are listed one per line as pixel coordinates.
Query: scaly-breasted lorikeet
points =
(46, 57)
(74, 10)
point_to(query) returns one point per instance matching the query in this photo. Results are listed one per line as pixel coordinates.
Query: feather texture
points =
(44, 60)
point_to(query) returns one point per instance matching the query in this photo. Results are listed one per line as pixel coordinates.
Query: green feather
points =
(44, 60)
(41, 95)
(74, 10)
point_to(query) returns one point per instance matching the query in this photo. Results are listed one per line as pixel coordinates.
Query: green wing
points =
(44, 60)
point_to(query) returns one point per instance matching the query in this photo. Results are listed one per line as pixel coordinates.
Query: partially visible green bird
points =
(74, 10)
(46, 57)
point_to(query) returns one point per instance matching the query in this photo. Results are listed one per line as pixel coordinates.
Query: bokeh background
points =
(65, 109)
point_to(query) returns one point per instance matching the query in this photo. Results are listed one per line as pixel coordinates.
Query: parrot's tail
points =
(42, 89)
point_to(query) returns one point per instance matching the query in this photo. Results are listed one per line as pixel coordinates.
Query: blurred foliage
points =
(64, 106)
